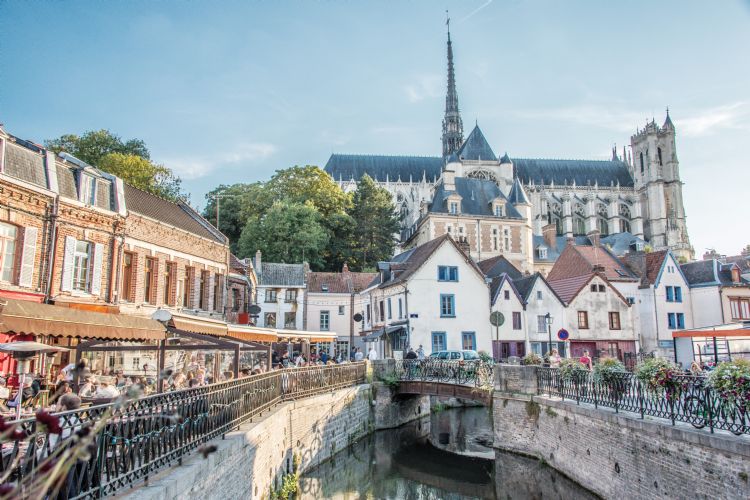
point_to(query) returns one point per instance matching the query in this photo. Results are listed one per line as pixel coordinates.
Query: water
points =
(444, 456)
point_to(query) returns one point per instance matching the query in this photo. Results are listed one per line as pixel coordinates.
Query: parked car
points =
(466, 355)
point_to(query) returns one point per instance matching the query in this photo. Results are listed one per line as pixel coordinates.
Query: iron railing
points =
(146, 434)
(686, 398)
(475, 372)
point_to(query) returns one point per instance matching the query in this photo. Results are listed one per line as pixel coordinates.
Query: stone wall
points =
(251, 461)
(617, 454)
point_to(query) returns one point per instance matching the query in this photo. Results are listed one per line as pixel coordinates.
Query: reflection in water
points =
(410, 463)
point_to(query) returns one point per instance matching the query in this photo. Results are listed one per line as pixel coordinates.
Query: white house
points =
(432, 295)
(509, 339)
(539, 301)
(281, 291)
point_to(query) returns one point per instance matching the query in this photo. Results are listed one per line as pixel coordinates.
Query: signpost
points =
(563, 334)
(497, 319)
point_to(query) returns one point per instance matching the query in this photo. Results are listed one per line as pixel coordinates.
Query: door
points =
(520, 349)
(504, 350)
(577, 348)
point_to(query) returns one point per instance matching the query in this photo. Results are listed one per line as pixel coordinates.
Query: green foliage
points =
(731, 380)
(485, 357)
(532, 358)
(287, 233)
(289, 483)
(390, 379)
(129, 160)
(571, 368)
(607, 369)
(438, 408)
(376, 223)
(657, 374)
(308, 185)
(238, 203)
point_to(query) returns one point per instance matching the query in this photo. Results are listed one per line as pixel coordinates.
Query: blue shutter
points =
(670, 294)
(677, 294)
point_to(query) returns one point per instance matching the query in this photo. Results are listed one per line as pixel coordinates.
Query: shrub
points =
(658, 374)
(572, 368)
(485, 357)
(532, 359)
(731, 380)
(607, 368)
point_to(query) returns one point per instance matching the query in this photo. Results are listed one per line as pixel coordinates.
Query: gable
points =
(445, 254)
(670, 260)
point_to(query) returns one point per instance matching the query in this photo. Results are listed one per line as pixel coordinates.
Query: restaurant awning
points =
(252, 333)
(32, 318)
(197, 324)
(725, 330)
(303, 335)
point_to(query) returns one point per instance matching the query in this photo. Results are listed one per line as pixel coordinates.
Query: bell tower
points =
(453, 128)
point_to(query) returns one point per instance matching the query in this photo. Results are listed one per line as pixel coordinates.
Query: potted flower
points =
(731, 381)
(659, 376)
(532, 358)
(572, 369)
(610, 372)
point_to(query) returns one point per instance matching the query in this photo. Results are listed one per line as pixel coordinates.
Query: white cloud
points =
(706, 122)
(426, 87)
(198, 166)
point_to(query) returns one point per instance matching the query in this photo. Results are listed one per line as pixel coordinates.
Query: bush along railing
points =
(670, 394)
(130, 439)
(475, 372)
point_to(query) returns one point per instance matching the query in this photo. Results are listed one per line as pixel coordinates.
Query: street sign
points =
(357, 317)
(497, 318)
(563, 334)
(254, 309)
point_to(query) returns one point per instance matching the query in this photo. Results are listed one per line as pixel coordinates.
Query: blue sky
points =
(226, 92)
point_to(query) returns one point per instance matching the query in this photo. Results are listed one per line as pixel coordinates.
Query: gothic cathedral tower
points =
(453, 128)
(656, 173)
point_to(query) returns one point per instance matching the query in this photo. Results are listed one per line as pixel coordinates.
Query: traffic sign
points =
(497, 318)
(357, 317)
(563, 334)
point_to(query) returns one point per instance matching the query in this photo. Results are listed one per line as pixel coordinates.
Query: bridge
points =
(471, 380)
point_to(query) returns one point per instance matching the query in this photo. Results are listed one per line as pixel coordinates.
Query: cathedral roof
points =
(517, 194)
(476, 197)
(380, 167)
(476, 147)
(583, 172)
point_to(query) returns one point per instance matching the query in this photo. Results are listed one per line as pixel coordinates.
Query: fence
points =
(685, 399)
(143, 435)
(476, 373)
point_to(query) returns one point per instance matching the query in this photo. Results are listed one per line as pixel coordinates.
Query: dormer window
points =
(453, 207)
(735, 275)
(639, 246)
(88, 189)
(542, 253)
(498, 210)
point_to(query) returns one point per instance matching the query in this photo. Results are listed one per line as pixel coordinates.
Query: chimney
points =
(593, 237)
(258, 260)
(550, 236)
(449, 180)
(597, 269)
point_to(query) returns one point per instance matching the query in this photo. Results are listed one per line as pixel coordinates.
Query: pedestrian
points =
(324, 357)
(554, 359)
(411, 354)
(586, 360)
(359, 355)
(372, 355)
(420, 352)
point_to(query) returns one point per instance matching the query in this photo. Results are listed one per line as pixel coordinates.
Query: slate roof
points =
(525, 285)
(497, 283)
(272, 274)
(701, 272)
(343, 282)
(476, 147)
(496, 266)
(236, 264)
(476, 194)
(517, 193)
(579, 260)
(177, 214)
(583, 172)
(380, 167)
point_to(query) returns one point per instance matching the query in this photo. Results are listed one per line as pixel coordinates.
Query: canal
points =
(447, 455)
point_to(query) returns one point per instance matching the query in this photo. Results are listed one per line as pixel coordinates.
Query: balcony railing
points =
(686, 398)
(143, 435)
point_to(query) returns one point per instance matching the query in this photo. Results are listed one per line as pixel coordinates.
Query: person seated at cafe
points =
(87, 389)
(106, 391)
(4, 394)
(62, 387)
(68, 400)
(193, 382)
(27, 395)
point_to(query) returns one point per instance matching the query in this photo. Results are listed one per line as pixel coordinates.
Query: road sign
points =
(563, 334)
(357, 317)
(254, 309)
(497, 318)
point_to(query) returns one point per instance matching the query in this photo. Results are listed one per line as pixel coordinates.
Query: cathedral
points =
(525, 208)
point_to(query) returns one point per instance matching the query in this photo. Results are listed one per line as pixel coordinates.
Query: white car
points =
(456, 355)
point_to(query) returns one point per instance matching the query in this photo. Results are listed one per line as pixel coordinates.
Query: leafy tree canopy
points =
(376, 223)
(94, 145)
(311, 185)
(238, 203)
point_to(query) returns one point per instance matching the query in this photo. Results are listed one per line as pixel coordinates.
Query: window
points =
(400, 308)
(678, 294)
(614, 320)
(538, 295)
(506, 293)
(8, 234)
(516, 320)
(128, 270)
(447, 306)
(680, 320)
(671, 321)
(369, 311)
(290, 320)
(202, 289)
(81, 266)
(270, 320)
(136, 363)
(494, 239)
(498, 210)
(453, 207)
(447, 273)
(88, 189)
(438, 341)
(325, 321)
(583, 320)
(468, 341)
(542, 253)
(149, 294)
(390, 311)
(236, 299)
(541, 324)
(382, 310)
(506, 240)
(271, 295)
(217, 292)
(187, 288)
(739, 308)
(170, 276)
(658, 152)
(641, 162)
(290, 296)
(593, 288)
(670, 294)
(601, 289)
(341, 310)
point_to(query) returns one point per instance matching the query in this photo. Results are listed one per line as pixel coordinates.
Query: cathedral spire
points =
(453, 128)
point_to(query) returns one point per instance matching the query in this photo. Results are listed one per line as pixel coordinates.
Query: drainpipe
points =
(721, 304)
(51, 249)
(479, 242)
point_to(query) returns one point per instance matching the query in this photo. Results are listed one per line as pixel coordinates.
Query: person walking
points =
(554, 359)
(420, 352)
(359, 355)
(372, 355)
(586, 360)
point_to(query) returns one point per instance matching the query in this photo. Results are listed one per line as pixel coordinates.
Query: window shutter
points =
(210, 301)
(96, 269)
(196, 295)
(26, 274)
(67, 270)
(155, 283)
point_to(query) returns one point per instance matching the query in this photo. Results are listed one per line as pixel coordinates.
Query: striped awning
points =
(197, 324)
(252, 333)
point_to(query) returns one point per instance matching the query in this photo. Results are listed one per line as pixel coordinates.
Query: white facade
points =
(281, 307)
(540, 302)
(510, 304)
(334, 312)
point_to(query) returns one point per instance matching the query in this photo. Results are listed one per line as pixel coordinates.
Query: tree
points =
(143, 174)
(340, 229)
(308, 184)
(94, 145)
(287, 233)
(376, 223)
(238, 203)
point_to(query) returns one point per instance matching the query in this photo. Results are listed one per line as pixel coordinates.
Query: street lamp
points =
(548, 319)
